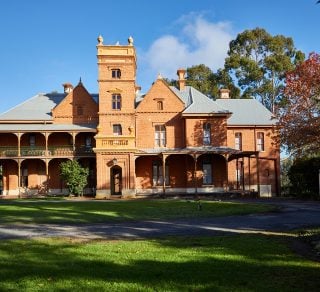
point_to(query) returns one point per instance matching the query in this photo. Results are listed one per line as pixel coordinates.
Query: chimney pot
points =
(181, 78)
(224, 93)
(67, 87)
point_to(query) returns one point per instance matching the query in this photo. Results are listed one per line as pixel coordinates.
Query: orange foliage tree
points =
(300, 114)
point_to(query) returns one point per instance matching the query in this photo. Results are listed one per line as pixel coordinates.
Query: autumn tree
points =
(300, 115)
(259, 61)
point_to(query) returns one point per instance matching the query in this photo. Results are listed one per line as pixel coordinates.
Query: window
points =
(79, 110)
(160, 105)
(117, 130)
(24, 178)
(206, 134)
(260, 141)
(116, 73)
(157, 174)
(32, 140)
(88, 141)
(238, 141)
(160, 136)
(116, 101)
(207, 173)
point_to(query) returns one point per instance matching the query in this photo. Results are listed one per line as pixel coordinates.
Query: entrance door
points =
(116, 180)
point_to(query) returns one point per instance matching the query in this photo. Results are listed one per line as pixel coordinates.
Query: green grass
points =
(220, 263)
(31, 211)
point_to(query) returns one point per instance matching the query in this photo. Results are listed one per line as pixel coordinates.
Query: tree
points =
(74, 175)
(203, 79)
(300, 114)
(259, 61)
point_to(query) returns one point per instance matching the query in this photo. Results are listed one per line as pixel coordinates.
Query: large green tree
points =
(206, 81)
(258, 63)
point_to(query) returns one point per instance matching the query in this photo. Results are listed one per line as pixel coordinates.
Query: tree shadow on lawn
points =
(247, 262)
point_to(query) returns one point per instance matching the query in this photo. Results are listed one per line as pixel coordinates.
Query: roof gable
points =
(160, 92)
(78, 107)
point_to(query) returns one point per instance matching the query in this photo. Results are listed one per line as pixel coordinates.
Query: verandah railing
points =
(64, 150)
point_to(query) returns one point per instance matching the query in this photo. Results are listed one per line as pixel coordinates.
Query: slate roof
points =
(198, 103)
(247, 112)
(36, 108)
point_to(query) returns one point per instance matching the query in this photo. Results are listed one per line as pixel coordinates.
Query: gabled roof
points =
(247, 112)
(198, 103)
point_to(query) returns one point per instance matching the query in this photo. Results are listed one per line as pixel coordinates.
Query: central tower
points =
(115, 140)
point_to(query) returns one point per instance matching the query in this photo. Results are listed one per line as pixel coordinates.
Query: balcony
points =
(53, 151)
(115, 142)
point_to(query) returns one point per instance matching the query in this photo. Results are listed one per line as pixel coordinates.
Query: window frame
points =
(157, 174)
(238, 141)
(207, 173)
(206, 140)
(116, 73)
(116, 101)
(117, 129)
(260, 141)
(160, 136)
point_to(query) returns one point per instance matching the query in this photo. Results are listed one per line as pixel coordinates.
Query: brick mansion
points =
(171, 140)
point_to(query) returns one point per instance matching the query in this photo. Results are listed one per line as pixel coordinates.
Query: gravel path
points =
(292, 215)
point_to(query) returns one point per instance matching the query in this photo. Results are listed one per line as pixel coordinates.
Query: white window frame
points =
(160, 135)
(260, 141)
(238, 141)
(206, 134)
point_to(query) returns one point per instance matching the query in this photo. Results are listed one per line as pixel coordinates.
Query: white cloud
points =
(198, 41)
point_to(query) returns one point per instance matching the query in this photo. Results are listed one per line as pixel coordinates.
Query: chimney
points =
(224, 93)
(67, 87)
(181, 80)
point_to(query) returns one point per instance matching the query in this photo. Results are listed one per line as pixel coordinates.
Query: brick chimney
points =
(224, 93)
(181, 80)
(67, 87)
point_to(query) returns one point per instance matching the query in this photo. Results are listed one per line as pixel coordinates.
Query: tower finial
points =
(130, 41)
(80, 82)
(100, 40)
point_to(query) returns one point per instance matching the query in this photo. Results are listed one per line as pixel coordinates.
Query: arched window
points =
(206, 134)
(160, 105)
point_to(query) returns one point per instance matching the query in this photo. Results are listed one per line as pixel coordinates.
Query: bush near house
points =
(75, 176)
(304, 177)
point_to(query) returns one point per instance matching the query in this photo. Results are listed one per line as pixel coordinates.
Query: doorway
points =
(116, 180)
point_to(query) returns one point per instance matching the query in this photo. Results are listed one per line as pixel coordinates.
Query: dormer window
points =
(116, 73)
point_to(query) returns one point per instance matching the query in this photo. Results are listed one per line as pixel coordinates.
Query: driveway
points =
(291, 215)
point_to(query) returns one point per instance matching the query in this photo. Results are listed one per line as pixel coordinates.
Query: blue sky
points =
(50, 42)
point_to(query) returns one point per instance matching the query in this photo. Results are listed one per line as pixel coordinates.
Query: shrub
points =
(74, 175)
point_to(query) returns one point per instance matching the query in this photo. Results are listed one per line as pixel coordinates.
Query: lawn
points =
(42, 211)
(220, 263)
